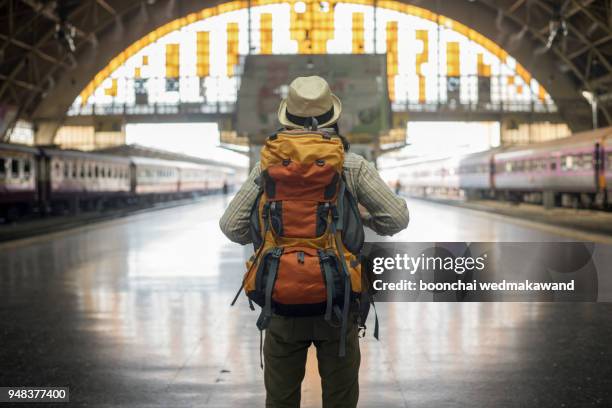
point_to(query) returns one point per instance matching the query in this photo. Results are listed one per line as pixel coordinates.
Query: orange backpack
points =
(306, 231)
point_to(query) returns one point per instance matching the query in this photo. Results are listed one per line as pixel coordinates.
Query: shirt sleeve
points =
(388, 212)
(235, 220)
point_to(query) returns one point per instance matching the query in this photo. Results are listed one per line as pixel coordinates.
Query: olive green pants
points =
(285, 349)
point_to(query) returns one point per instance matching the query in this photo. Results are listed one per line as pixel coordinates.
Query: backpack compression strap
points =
(337, 217)
(266, 312)
(256, 257)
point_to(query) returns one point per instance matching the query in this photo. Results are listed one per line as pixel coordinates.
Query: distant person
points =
(398, 187)
(225, 187)
(309, 158)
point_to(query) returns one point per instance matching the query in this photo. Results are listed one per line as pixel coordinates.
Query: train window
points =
(82, 170)
(58, 170)
(587, 162)
(553, 165)
(567, 163)
(96, 171)
(2, 167)
(74, 169)
(15, 168)
(90, 171)
(66, 169)
(27, 168)
(543, 165)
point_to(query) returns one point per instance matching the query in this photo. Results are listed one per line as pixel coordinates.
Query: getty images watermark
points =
(460, 271)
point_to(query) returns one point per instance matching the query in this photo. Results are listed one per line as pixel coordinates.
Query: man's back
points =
(310, 104)
(388, 213)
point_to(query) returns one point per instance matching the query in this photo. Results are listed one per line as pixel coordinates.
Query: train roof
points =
(475, 157)
(578, 139)
(19, 148)
(81, 155)
(136, 150)
(149, 161)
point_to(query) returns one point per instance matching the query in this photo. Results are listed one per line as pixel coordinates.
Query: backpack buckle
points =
(323, 255)
(335, 214)
(277, 252)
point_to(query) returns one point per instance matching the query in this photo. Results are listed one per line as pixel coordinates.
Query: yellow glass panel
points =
(203, 54)
(137, 73)
(392, 67)
(145, 60)
(482, 68)
(265, 29)
(232, 47)
(523, 73)
(452, 59)
(421, 58)
(172, 60)
(541, 93)
(358, 30)
(422, 88)
(112, 90)
(313, 27)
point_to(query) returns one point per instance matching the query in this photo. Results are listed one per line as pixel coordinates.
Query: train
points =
(575, 171)
(50, 180)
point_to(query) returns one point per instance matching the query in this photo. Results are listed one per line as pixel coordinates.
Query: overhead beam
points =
(31, 48)
(23, 84)
(107, 7)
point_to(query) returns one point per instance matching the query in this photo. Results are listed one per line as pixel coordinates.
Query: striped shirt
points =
(388, 213)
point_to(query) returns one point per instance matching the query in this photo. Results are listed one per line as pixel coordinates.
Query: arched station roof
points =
(50, 51)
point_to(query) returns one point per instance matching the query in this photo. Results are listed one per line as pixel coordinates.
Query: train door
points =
(133, 177)
(600, 168)
(599, 165)
(43, 181)
(492, 172)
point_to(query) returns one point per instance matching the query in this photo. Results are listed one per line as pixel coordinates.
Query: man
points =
(288, 338)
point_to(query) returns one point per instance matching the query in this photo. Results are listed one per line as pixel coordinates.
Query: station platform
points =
(135, 312)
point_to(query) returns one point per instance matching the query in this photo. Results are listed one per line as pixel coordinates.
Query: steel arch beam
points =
(479, 15)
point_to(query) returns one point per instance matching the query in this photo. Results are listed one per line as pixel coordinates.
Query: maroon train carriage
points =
(165, 179)
(154, 178)
(569, 171)
(18, 192)
(193, 177)
(205, 178)
(73, 180)
(573, 171)
(52, 180)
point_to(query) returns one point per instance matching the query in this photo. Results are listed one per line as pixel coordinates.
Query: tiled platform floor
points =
(135, 312)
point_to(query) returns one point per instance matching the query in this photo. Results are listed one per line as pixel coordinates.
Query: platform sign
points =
(358, 80)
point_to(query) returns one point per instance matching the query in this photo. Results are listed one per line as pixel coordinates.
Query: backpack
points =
(306, 231)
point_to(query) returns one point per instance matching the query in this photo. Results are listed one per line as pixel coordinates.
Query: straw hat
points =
(309, 97)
